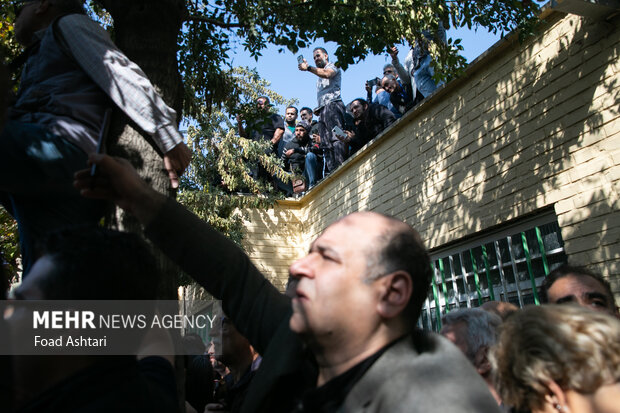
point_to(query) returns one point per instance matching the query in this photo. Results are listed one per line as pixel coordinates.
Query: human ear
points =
(555, 399)
(397, 289)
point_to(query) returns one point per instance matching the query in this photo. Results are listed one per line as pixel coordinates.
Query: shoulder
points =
(426, 371)
(79, 25)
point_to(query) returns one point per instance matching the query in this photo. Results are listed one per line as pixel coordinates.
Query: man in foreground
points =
(346, 340)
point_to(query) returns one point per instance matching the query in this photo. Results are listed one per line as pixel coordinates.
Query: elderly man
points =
(330, 106)
(579, 285)
(370, 120)
(474, 331)
(346, 340)
(71, 75)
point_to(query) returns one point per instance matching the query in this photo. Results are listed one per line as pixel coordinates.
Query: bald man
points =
(346, 339)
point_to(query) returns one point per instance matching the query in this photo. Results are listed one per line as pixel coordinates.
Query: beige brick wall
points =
(529, 126)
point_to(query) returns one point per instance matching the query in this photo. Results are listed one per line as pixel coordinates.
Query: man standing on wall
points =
(330, 106)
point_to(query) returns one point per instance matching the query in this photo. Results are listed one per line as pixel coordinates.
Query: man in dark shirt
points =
(370, 120)
(349, 329)
(266, 126)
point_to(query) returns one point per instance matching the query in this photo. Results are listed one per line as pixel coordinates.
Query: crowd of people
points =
(312, 149)
(343, 336)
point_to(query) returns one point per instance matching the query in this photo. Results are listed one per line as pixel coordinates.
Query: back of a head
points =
(93, 263)
(577, 348)
(404, 250)
(482, 327)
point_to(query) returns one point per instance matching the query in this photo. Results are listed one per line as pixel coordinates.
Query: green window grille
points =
(506, 265)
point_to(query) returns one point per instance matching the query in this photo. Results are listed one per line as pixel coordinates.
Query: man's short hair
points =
(388, 77)
(92, 263)
(322, 49)
(403, 249)
(482, 328)
(69, 6)
(306, 108)
(577, 348)
(362, 101)
(267, 101)
(388, 66)
(293, 107)
(564, 271)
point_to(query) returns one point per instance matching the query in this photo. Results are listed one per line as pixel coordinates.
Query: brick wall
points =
(528, 126)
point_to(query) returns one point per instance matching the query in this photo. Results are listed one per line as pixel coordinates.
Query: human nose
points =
(302, 267)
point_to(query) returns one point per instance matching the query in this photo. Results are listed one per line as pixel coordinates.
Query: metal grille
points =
(506, 265)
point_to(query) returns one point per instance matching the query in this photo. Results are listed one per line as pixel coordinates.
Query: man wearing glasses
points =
(72, 73)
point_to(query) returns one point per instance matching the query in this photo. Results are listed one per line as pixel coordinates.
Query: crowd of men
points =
(343, 337)
(313, 149)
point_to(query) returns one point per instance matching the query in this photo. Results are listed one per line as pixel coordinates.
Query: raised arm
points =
(127, 86)
(210, 258)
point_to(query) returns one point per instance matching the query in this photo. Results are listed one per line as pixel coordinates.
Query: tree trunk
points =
(146, 31)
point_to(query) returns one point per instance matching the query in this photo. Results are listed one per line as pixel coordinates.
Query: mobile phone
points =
(338, 132)
(300, 59)
(103, 132)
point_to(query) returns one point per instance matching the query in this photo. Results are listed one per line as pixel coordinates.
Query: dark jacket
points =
(423, 372)
(375, 120)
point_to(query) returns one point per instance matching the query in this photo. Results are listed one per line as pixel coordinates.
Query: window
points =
(507, 264)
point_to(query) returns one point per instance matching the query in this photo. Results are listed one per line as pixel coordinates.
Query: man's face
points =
(300, 133)
(320, 58)
(390, 85)
(290, 115)
(331, 300)
(27, 22)
(261, 103)
(390, 71)
(583, 290)
(306, 116)
(358, 110)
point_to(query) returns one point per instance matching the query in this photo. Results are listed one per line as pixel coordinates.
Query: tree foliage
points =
(215, 28)
(214, 93)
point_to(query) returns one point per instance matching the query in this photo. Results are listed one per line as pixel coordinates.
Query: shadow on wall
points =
(518, 128)
(500, 145)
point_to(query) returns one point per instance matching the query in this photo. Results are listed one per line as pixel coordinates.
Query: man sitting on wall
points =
(347, 339)
(401, 96)
(370, 120)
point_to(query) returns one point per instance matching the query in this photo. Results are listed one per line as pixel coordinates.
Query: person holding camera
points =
(330, 107)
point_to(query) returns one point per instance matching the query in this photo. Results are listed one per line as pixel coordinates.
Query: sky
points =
(280, 69)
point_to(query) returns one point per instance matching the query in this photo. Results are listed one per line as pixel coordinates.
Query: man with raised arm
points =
(346, 340)
(330, 107)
